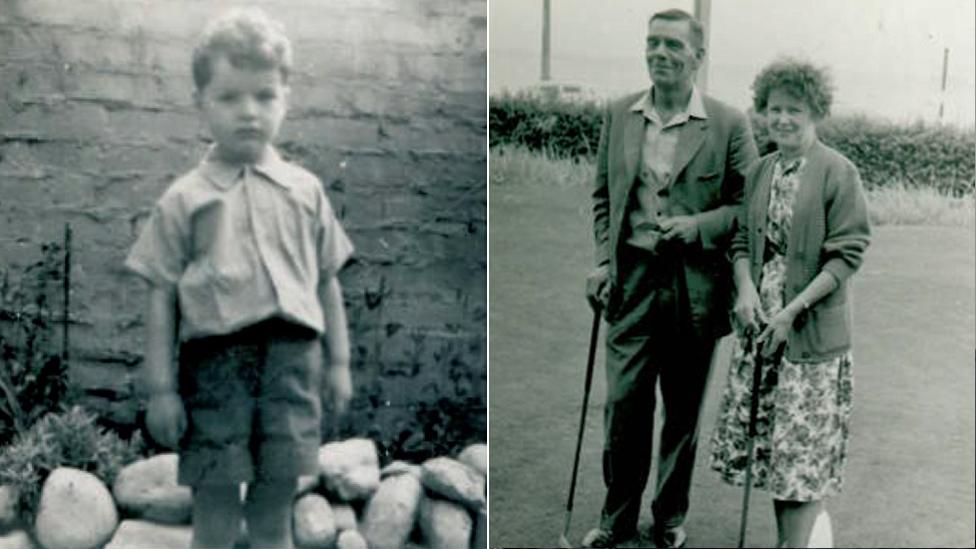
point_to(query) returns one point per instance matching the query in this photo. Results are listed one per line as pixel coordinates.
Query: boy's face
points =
(243, 107)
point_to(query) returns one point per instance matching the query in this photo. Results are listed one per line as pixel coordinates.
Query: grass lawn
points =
(910, 475)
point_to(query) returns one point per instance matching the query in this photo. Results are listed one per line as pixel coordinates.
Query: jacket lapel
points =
(690, 139)
(633, 143)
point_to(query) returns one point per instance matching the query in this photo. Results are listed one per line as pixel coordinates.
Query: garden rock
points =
(350, 469)
(139, 534)
(314, 523)
(16, 539)
(148, 489)
(351, 539)
(391, 513)
(400, 467)
(306, 484)
(454, 480)
(8, 506)
(345, 517)
(476, 457)
(444, 524)
(76, 511)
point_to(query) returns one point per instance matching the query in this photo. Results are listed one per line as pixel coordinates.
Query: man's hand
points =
(598, 288)
(337, 387)
(166, 418)
(682, 228)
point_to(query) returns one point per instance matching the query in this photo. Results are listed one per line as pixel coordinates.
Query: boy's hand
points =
(166, 419)
(337, 387)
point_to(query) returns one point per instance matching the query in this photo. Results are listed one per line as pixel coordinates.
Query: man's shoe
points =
(670, 537)
(598, 537)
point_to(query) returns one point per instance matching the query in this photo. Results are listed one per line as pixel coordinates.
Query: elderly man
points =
(668, 185)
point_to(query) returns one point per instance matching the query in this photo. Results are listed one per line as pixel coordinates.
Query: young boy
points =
(242, 254)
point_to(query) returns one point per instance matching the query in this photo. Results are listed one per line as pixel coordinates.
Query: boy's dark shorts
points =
(252, 405)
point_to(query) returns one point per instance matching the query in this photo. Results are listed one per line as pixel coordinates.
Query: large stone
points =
(76, 511)
(475, 456)
(8, 507)
(445, 524)
(399, 468)
(16, 539)
(139, 534)
(451, 479)
(351, 539)
(391, 513)
(147, 489)
(350, 469)
(345, 517)
(314, 525)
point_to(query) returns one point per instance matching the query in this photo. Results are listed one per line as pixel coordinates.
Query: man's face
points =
(243, 107)
(671, 53)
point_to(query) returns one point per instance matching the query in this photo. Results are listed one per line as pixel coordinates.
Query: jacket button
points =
(805, 354)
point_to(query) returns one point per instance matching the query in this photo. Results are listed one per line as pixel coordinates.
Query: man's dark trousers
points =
(651, 338)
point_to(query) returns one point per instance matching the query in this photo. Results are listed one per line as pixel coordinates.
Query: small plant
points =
(33, 376)
(67, 439)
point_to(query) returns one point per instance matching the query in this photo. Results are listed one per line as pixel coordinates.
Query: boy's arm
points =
(165, 416)
(337, 384)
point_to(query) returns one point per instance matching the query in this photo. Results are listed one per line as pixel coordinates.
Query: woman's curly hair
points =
(800, 79)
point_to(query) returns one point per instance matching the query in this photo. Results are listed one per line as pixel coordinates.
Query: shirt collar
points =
(694, 109)
(224, 175)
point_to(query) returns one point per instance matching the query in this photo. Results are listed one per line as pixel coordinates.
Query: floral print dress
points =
(804, 409)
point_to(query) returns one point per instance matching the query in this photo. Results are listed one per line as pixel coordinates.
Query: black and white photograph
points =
(243, 274)
(731, 278)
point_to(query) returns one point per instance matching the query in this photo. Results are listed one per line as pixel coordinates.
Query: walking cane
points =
(590, 359)
(753, 413)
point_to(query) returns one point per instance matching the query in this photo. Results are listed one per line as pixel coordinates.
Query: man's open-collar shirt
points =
(657, 164)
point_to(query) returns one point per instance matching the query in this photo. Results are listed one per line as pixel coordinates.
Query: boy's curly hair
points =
(800, 79)
(249, 39)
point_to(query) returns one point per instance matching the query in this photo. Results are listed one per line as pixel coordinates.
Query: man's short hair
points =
(248, 38)
(697, 30)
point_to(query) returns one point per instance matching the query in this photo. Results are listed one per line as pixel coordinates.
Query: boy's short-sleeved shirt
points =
(242, 244)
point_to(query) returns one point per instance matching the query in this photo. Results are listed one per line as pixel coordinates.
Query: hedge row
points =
(914, 154)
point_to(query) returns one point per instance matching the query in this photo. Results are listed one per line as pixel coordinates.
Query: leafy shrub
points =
(558, 127)
(33, 378)
(67, 439)
(913, 155)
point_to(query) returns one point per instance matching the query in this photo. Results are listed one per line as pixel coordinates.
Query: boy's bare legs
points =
(216, 516)
(269, 512)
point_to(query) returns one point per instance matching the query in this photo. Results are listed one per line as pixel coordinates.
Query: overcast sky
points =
(885, 55)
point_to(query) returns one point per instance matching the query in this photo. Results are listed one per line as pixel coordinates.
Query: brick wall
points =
(388, 109)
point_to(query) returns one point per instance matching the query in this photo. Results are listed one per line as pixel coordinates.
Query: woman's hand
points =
(774, 336)
(748, 309)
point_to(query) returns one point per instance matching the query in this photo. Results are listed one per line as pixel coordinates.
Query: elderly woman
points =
(802, 233)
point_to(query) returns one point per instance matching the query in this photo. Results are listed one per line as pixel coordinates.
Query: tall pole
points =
(545, 40)
(945, 73)
(703, 12)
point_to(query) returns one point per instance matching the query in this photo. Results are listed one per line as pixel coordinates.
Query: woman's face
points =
(790, 120)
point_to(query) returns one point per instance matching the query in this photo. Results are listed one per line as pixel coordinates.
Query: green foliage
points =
(911, 155)
(67, 439)
(560, 128)
(33, 378)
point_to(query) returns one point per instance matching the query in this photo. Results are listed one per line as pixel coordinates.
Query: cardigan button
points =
(805, 354)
